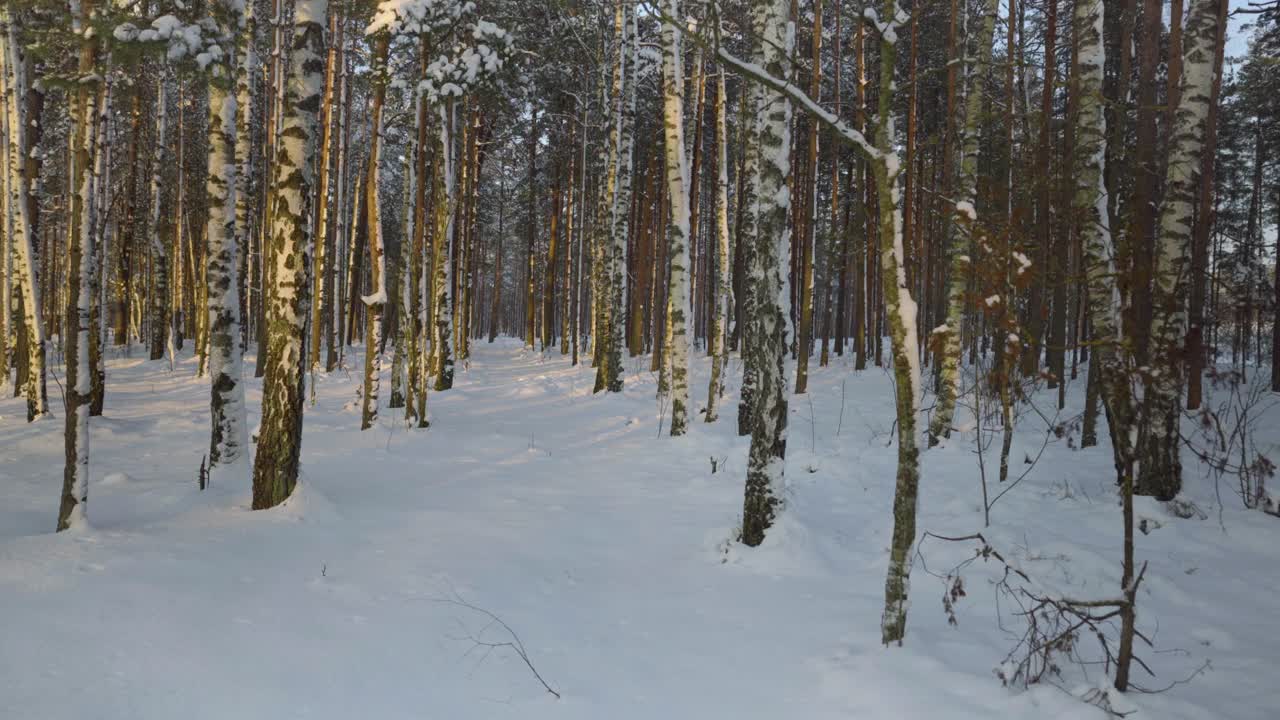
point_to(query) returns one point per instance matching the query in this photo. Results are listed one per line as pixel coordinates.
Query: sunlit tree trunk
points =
(320, 298)
(22, 237)
(75, 477)
(677, 176)
(1161, 474)
(228, 445)
(445, 203)
(275, 470)
(376, 301)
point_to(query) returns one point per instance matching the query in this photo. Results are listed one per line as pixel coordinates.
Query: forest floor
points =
(605, 546)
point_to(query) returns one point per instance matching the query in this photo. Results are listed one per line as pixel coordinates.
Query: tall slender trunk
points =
(445, 206)
(323, 244)
(961, 232)
(809, 211)
(1161, 465)
(717, 335)
(275, 470)
(677, 175)
(612, 214)
(1200, 235)
(228, 443)
(159, 252)
(376, 301)
(770, 295)
(75, 477)
(22, 237)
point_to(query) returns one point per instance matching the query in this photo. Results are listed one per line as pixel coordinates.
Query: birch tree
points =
(951, 334)
(771, 298)
(717, 340)
(614, 216)
(1161, 473)
(377, 300)
(275, 469)
(677, 175)
(228, 444)
(18, 220)
(75, 476)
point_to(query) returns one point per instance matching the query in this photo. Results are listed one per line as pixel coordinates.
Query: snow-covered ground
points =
(602, 543)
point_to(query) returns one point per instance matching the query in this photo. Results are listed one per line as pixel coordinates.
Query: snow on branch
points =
(790, 90)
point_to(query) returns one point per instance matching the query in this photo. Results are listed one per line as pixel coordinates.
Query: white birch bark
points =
(80, 238)
(775, 36)
(677, 176)
(722, 287)
(961, 230)
(601, 264)
(377, 300)
(228, 443)
(901, 310)
(23, 258)
(275, 470)
(442, 245)
(1161, 474)
(618, 196)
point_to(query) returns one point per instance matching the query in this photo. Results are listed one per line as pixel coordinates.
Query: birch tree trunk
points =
(75, 476)
(1161, 474)
(159, 299)
(809, 218)
(442, 246)
(765, 354)
(618, 197)
(18, 209)
(961, 229)
(717, 340)
(323, 245)
(377, 300)
(747, 230)
(275, 470)
(247, 102)
(677, 175)
(1114, 365)
(228, 442)
(901, 311)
